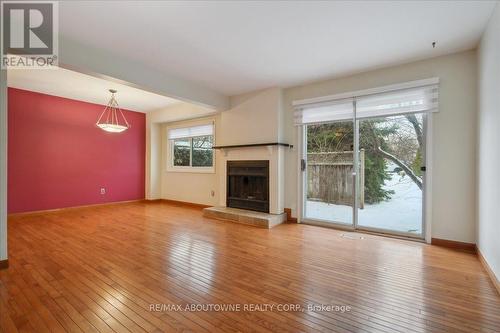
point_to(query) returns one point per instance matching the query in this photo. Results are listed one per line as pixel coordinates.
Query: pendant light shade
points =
(112, 118)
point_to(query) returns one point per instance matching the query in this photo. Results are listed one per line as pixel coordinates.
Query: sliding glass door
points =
(378, 189)
(392, 155)
(330, 186)
(363, 160)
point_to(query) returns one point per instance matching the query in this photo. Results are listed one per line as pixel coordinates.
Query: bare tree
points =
(404, 143)
(416, 179)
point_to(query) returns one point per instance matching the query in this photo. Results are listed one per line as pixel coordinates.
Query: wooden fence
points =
(329, 177)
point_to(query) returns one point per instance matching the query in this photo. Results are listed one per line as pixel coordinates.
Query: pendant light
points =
(112, 119)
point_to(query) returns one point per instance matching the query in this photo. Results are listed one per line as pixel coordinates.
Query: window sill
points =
(190, 170)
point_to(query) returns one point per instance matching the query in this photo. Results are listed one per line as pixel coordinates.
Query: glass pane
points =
(330, 165)
(391, 154)
(202, 151)
(182, 149)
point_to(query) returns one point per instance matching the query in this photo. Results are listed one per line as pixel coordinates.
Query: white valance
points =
(187, 132)
(421, 99)
(325, 112)
(412, 97)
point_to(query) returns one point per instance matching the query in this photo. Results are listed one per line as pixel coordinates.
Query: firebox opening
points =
(248, 185)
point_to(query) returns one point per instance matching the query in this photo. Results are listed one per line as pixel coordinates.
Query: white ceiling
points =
(82, 87)
(240, 46)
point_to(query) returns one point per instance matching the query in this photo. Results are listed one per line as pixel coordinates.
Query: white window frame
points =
(190, 169)
(427, 195)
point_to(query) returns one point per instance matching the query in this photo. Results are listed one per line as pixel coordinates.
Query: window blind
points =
(393, 102)
(421, 99)
(187, 132)
(325, 112)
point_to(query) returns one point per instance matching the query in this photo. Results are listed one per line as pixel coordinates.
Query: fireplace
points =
(248, 185)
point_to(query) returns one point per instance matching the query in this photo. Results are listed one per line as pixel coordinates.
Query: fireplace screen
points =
(248, 185)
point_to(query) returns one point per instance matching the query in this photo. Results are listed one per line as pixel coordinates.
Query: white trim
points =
(300, 176)
(355, 164)
(170, 147)
(426, 200)
(364, 92)
(428, 180)
(173, 168)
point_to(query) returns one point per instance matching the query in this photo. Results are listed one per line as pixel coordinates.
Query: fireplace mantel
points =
(275, 154)
(254, 145)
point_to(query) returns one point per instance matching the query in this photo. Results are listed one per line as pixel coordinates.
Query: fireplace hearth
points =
(248, 185)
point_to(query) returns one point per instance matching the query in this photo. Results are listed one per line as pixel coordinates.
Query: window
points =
(202, 154)
(191, 149)
(182, 150)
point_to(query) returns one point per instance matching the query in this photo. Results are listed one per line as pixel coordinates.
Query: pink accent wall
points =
(58, 158)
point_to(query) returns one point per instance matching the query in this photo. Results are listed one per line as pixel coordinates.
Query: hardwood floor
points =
(100, 269)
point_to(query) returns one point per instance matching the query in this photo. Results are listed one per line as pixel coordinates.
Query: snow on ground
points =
(403, 212)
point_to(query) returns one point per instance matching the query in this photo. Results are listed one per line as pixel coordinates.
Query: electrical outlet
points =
(103, 191)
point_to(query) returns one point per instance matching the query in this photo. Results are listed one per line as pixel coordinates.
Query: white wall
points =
(454, 135)
(154, 154)
(153, 159)
(188, 186)
(259, 117)
(3, 164)
(488, 160)
(253, 118)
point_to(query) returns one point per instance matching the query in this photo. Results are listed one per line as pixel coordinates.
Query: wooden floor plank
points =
(99, 269)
